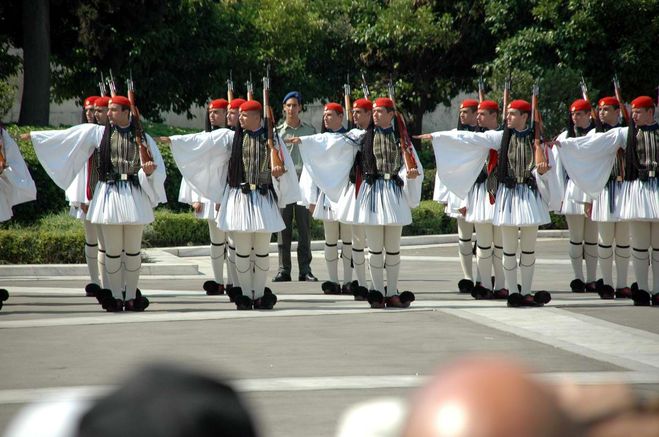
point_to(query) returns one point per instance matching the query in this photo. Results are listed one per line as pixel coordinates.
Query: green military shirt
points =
(286, 131)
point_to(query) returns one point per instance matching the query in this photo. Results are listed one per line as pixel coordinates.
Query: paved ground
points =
(300, 365)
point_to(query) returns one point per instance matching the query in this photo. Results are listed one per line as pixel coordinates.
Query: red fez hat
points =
(120, 100)
(235, 103)
(251, 105)
(89, 101)
(364, 104)
(331, 106)
(643, 102)
(520, 105)
(469, 103)
(490, 105)
(580, 105)
(102, 102)
(384, 102)
(218, 104)
(608, 101)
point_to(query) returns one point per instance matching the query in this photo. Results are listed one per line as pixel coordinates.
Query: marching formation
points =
(497, 175)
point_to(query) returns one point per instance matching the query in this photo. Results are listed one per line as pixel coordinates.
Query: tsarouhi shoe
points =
(623, 293)
(501, 293)
(114, 305)
(330, 287)
(243, 303)
(465, 285)
(479, 293)
(104, 297)
(655, 299)
(402, 300)
(541, 298)
(375, 299)
(267, 301)
(605, 291)
(350, 287)
(91, 289)
(591, 287)
(213, 288)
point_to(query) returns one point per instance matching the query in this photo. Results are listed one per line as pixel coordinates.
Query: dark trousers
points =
(302, 219)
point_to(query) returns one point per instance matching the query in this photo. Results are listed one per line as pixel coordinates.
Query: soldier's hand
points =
(293, 140)
(84, 207)
(165, 140)
(543, 168)
(463, 211)
(423, 137)
(278, 170)
(149, 167)
(312, 208)
(412, 173)
(588, 209)
(25, 137)
(197, 206)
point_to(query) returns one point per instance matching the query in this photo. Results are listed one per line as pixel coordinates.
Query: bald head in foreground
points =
(486, 397)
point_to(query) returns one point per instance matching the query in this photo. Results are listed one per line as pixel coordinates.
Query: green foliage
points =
(429, 218)
(7, 93)
(175, 229)
(42, 246)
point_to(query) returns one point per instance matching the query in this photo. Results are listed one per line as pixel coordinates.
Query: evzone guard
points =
(593, 157)
(251, 175)
(131, 175)
(16, 184)
(523, 192)
(391, 175)
(205, 209)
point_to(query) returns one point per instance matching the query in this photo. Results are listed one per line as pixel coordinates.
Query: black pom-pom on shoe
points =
(91, 289)
(4, 295)
(267, 301)
(641, 298)
(542, 297)
(234, 292)
(213, 288)
(330, 287)
(375, 299)
(515, 300)
(350, 287)
(465, 285)
(606, 292)
(243, 303)
(501, 293)
(577, 286)
(361, 293)
(479, 293)
(104, 297)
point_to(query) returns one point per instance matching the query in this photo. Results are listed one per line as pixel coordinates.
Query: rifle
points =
(3, 158)
(275, 158)
(346, 103)
(593, 110)
(405, 141)
(506, 98)
(111, 85)
(250, 88)
(230, 87)
(102, 87)
(481, 90)
(367, 93)
(536, 125)
(145, 153)
(618, 93)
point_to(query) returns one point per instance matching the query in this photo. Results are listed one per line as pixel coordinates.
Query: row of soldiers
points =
(239, 176)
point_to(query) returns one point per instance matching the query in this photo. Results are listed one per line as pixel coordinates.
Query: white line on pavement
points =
(323, 383)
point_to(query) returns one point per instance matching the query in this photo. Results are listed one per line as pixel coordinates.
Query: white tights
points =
(126, 239)
(218, 239)
(583, 245)
(608, 232)
(91, 251)
(465, 249)
(385, 238)
(252, 275)
(645, 236)
(358, 257)
(488, 257)
(334, 230)
(526, 237)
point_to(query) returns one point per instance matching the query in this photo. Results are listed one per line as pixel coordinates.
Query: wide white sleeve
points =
(589, 159)
(286, 185)
(203, 160)
(328, 159)
(412, 187)
(460, 156)
(308, 190)
(154, 184)
(16, 182)
(76, 193)
(63, 153)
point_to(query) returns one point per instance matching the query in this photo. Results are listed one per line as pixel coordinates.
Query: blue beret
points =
(295, 94)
